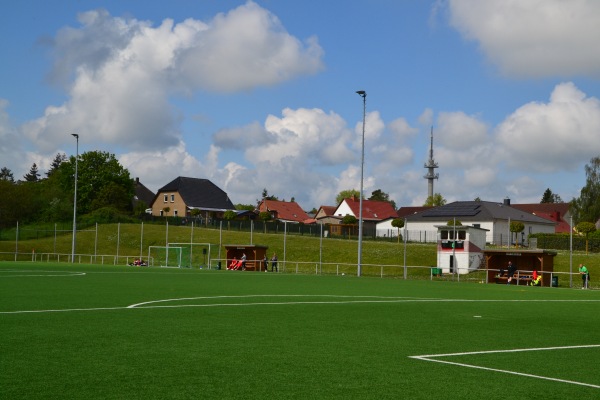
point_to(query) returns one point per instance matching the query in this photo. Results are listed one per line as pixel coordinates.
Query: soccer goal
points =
(165, 256)
(194, 254)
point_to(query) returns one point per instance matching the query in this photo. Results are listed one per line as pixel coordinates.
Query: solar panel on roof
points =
(454, 210)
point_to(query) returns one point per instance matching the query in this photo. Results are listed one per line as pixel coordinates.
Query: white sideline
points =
(431, 358)
(355, 300)
(50, 273)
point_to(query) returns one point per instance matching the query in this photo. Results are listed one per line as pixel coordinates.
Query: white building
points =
(495, 218)
(460, 248)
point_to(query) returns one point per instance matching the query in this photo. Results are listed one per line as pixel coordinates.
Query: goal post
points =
(165, 256)
(194, 254)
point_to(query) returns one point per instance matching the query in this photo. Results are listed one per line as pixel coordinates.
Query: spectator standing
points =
(274, 263)
(585, 276)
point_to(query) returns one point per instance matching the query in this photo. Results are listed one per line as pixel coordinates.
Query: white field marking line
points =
(431, 357)
(392, 300)
(49, 273)
(134, 306)
(383, 300)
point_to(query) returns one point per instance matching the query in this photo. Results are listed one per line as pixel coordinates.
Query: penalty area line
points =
(432, 358)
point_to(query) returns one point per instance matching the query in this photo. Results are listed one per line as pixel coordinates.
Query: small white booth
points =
(460, 248)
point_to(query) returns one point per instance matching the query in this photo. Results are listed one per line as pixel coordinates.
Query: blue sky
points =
(255, 95)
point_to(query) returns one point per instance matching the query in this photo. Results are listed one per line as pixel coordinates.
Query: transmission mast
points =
(431, 165)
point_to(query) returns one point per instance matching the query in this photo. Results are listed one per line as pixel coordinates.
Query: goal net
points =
(194, 254)
(165, 256)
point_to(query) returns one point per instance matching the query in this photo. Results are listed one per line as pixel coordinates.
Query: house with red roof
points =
(326, 215)
(373, 212)
(555, 212)
(285, 211)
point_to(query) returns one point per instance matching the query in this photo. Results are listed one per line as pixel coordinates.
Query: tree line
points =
(102, 184)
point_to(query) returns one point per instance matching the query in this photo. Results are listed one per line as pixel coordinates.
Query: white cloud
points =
(552, 136)
(401, 129)
(159, 167)
(239, 138)
(248, 47)
(306, 135)
(121, 73)
(533, 38)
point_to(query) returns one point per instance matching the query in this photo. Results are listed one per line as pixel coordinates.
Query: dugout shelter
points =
(526, 261)
(254, 255)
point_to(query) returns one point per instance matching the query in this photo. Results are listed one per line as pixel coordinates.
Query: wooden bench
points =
(517, 279)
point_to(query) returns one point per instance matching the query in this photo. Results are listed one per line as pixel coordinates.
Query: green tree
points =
(347, 194)
(265, 216)
(33, 175)
(228, 216)
(435, 201)
(6, 175)
(112, 195)
(349, 220)
(550, 197)
(398, 223)
(58, 159)
(266, 196)
(587, 206)
(585, 228)
(379, 195)
(516, 227)
(454, 222)
(101, 179)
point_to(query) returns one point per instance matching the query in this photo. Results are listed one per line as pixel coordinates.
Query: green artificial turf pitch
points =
(91, 332)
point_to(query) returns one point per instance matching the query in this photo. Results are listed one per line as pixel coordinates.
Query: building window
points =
(165, 198)
(175, 213)
(172, 198)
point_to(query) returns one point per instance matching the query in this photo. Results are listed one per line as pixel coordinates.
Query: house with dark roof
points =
(285, 211)
(182, 195)
(404, 212)
(142, 195)
(494, 217)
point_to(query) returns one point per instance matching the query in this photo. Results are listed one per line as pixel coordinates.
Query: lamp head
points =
(361, 93)
(75, 135)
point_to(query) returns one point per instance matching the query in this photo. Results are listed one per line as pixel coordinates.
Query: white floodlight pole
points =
(571, 254)
(76, 136)
(362, 94)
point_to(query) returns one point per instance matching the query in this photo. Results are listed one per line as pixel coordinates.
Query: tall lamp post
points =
(362, 94)
(76, 136)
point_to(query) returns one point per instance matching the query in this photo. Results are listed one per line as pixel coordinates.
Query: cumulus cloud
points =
(239, 138)
(533, 38)
(552, 136)
(305, 134)
(457, 130)
(161, 166)
(10, 147)
(401, 129)
(120, 73)
(248, 47)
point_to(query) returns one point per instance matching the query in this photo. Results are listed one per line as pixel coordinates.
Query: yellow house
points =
(182, 195)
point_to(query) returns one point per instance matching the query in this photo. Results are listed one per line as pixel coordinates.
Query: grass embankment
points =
(131, 240)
